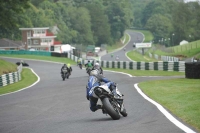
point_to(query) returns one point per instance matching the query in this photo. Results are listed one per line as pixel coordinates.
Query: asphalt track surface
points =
(56, 106)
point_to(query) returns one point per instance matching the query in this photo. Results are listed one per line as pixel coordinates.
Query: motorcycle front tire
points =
(63, 78)
(109, 109)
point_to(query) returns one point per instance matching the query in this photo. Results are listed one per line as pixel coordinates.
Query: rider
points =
(64, 67)
(69, 68)
(124, 49)
(117, 57)
(88, 65)
(112, 55)
(79, 62)
(98, 67)
(95, 79)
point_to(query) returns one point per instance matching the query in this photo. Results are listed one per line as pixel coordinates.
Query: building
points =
(38, 38)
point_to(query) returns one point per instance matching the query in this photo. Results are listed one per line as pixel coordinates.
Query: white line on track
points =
(160, 107)
(165, 112)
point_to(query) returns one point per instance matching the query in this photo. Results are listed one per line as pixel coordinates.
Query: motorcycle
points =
(65, 74)
(80, 66)
(112, 101)
(88, 70)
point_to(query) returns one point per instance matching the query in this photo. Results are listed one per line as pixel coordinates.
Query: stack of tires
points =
(192, 70)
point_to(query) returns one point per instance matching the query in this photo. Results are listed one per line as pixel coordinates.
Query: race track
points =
(56, 106)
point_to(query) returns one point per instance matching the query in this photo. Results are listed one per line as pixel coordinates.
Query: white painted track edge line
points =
(165, 112)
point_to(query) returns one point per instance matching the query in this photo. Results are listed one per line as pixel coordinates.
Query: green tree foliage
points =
(100, 25)
(10, 10)
(81, 22)
(160, 25)
(11, 16)
(181, 20)
(116, 12)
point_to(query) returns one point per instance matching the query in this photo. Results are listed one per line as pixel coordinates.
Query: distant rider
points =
(69, 68)
(79, 62)
(95, 79)
(88, 66)
(64, 67)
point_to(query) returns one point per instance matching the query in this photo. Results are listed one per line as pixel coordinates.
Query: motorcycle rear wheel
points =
(110, 109)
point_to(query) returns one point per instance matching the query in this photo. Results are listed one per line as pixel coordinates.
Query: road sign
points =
(143, 45)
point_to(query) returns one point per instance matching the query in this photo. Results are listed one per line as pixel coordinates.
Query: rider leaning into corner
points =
(94, 80)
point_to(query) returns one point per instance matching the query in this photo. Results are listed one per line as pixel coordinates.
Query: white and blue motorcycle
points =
(112, 101)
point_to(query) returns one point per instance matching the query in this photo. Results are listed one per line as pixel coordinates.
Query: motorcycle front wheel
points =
(63, 78)
(110, 109)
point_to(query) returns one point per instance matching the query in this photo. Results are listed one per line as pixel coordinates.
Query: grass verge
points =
(147, 34)
(7, 67)
(134, 55)
(179, 96)
(28, 78)
(118, 44)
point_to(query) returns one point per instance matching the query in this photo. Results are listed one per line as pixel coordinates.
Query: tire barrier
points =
(192, 70)
(10, 78)
(59, 54)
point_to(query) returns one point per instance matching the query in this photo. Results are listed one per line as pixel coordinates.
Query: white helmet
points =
(93, 72)
(96, 64)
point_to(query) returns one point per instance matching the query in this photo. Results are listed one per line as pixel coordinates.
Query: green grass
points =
(28, 78)
(127, 38)
(134, 55)
(147, 72)
(118, 44)
(180, 96)
(7, 67)
(45, 58)
(187, 47)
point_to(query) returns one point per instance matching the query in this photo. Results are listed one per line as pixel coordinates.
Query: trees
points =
(11, 15)
(117, 12)
(160, 26)
(100, 26)
(9, 12)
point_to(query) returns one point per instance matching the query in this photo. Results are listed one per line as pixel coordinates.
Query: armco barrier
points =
(160, 65)
(10, 78)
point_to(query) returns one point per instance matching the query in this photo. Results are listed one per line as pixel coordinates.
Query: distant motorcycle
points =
(80, 66)
(112, 101)
(65, 74)
(23, 63)
(88, 70)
